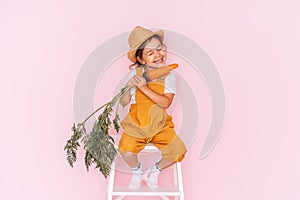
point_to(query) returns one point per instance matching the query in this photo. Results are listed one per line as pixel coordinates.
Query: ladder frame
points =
(163, 192)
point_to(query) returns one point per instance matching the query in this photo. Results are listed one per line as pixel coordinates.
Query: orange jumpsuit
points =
(147, 122)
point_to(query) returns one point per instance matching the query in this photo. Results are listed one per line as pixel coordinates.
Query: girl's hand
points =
(140, 81)
(131, 82)
(137, 81)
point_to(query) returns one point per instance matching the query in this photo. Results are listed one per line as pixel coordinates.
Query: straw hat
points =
(137, 36)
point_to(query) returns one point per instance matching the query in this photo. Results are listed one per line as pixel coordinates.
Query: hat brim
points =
(132, 51)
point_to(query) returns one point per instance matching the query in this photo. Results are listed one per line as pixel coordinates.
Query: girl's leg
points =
(136, 168)
(151, 175)
(129, 147)
(163, 164)
(131, 159)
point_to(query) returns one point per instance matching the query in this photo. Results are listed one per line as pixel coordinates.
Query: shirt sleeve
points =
(170, 83)
(131, 74)
(132, 90)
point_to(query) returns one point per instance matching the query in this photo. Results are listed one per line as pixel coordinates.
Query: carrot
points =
(156, 73)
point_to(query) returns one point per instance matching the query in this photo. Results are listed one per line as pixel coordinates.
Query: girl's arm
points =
(163, 101)
(125, 99)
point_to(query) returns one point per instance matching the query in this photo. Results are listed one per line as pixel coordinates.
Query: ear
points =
(141, 60)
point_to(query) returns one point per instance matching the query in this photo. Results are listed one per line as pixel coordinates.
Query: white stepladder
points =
(163, 192)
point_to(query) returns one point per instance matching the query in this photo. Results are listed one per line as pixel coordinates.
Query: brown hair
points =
(139, 51)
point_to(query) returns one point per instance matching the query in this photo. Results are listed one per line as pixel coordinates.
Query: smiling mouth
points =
(158, 61)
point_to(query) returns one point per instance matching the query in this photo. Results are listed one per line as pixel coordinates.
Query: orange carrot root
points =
(156, 73)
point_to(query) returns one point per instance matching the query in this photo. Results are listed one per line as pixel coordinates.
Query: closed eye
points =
(149, 53)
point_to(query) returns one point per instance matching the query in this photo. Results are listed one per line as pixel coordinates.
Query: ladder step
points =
(145, 191)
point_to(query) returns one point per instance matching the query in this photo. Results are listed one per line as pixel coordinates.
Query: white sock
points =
(135, 182)
(151, 176)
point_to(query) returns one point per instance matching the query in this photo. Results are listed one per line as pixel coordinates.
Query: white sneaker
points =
(151, 177)
(136, 179)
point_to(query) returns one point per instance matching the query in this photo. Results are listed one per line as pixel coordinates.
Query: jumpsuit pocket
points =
(158, 117)
(131, 128)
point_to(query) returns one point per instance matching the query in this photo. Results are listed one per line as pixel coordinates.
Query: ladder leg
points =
(175, 175)
(164, 198)
(176, 179)
(180, 183)
(111, 181)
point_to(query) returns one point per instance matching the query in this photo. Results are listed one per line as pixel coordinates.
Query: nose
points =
(157, 53)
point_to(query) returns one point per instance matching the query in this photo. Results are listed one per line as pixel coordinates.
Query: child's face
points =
(154, 54)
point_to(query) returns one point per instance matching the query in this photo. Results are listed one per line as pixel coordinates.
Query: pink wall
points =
(255, 46)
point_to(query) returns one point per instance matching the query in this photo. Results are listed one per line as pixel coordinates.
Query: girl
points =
(147, 120)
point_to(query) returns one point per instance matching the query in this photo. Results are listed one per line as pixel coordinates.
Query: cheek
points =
(163, 53)
(148, 58)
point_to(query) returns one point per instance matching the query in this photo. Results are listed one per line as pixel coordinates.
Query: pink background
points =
(254, 44)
